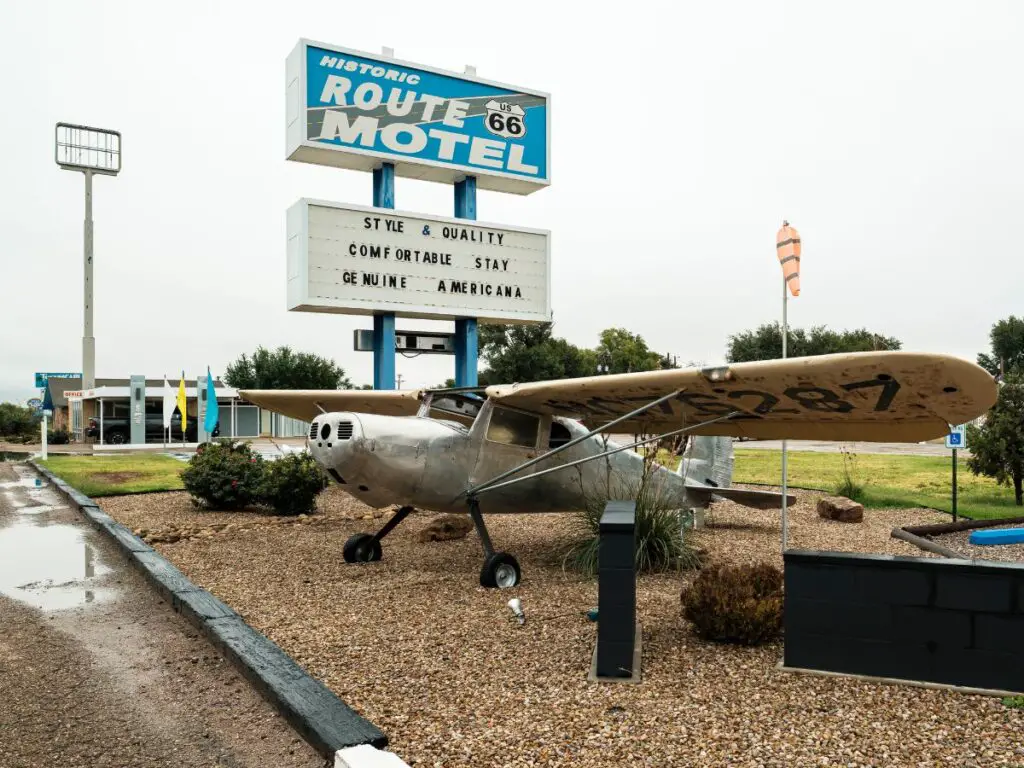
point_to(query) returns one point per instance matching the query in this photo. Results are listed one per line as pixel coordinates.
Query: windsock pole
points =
(785, 336)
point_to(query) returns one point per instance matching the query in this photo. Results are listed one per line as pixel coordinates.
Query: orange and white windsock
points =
(787, 244)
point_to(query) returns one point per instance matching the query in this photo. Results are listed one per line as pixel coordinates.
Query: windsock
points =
(787, 244)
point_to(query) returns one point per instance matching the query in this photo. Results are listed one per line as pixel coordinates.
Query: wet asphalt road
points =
(96, 670)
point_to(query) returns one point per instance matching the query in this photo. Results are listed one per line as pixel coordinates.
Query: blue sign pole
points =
(384, 323)
(466, 353)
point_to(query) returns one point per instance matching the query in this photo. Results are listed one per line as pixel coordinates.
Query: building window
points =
(513, 428)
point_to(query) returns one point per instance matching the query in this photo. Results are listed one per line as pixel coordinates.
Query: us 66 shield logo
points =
(506, 120)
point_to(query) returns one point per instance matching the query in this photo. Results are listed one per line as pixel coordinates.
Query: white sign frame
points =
(300, 148)
(960, 429)
(299, 300)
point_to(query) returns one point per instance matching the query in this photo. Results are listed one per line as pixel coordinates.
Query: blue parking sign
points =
(957, 437)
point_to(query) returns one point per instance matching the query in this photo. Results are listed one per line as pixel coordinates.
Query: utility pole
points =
(88, 151)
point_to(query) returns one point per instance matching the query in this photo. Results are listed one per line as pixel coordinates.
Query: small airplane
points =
(466, 450)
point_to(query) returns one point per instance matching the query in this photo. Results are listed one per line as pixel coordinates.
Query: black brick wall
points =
(958, 622)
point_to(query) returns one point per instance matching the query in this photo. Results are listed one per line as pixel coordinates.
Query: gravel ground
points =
(120, 681)
(434, 660)
(959, 542)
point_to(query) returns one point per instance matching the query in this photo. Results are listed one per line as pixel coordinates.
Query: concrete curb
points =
(320, 717)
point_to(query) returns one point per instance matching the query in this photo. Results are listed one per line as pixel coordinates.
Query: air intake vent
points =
(344, 430)
(312, 431)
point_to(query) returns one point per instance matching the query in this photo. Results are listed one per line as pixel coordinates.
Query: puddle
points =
(51, 567)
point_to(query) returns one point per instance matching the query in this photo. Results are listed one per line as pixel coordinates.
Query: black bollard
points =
(617, 632)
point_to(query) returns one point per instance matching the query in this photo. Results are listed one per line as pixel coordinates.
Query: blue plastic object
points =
(1001, 536)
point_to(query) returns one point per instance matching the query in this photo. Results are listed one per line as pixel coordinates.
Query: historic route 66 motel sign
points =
(366, 112)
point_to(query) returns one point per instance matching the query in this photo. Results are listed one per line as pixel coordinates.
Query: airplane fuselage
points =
(429, 463)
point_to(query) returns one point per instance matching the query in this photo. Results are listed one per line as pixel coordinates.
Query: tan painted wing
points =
(302, 403)
(870, 396)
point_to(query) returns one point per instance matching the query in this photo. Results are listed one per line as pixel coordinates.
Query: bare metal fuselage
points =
(430, 463)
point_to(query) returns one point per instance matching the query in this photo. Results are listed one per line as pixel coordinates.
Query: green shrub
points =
(736, 604)
(1013, 702)
(292, 483)
(224, 476)
(660, 539)
(58, 437)
(18, 423)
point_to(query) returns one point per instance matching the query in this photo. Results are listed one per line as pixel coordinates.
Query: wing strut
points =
(491, 485)
(575, 441)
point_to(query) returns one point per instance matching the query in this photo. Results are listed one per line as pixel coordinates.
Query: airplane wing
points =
(869, 396)
(303, 404)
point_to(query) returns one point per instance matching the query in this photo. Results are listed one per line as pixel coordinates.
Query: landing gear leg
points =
(500, 570)
(365, 547)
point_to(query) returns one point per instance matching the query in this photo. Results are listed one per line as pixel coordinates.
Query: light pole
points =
(88, 150)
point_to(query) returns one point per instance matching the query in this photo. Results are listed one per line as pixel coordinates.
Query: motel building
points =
(103, 415)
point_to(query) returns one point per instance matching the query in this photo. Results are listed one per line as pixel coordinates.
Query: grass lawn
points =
(114, 475)
(889, 481)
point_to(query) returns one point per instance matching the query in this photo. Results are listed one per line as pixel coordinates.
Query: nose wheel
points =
(365, 547)
(362, 548)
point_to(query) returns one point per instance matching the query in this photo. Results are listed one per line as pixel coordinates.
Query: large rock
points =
(840, 508)
(446, 528)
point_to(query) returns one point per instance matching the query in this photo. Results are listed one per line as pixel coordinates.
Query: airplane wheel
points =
(500, 571)
(362, 548)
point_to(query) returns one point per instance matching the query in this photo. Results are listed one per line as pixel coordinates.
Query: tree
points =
(285, 369)
(620, 351)
(18, 420)
(765, 342)
(1007, 347)
(997, 446)
(518, 353)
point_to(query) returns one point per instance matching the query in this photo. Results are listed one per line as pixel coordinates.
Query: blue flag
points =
(47, 401)
(212, 410)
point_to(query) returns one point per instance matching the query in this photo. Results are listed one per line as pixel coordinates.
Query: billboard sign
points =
(355, 260)
(41, 378)
(356, 110)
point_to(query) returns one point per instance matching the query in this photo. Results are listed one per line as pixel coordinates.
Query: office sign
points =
(356, 110)
(351, 259)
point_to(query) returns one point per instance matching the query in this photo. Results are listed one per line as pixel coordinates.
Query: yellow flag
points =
(182, 404)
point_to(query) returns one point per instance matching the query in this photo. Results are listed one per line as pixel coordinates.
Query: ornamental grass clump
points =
(660, 537)
(224, 476)
(736, 604)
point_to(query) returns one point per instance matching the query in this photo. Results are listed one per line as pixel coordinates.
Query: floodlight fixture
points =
(82, 148)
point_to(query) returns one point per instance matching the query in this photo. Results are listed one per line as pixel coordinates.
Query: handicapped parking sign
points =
(957, 437)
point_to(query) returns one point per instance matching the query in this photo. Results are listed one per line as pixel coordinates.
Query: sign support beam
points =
(88, 339)
(466, 348)
(384, 324)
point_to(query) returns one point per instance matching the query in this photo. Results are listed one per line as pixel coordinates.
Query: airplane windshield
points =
(461, 408)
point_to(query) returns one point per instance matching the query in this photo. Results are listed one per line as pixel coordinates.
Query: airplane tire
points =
(500, 571)
(362, 548)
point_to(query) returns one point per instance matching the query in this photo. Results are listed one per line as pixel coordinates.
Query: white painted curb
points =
(365, 756)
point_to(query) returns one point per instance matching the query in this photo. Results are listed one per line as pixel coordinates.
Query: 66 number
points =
(512, 124)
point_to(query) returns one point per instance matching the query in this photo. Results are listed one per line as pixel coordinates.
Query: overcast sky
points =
(683, 133)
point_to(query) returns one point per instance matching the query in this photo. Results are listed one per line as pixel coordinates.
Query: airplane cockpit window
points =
(513, 428)
(560, 435)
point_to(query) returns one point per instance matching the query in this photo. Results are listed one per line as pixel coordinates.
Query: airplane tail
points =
(706, 469)
(708, 461)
